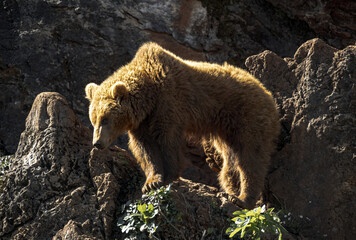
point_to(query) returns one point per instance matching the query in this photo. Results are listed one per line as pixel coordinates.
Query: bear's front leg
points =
(161, 160)
(147, 154)
(162, 166)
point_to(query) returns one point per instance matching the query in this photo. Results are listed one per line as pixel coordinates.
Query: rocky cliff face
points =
(55, 181)
(332, 19)
(62, 45)
(58, 188)
(316, 163)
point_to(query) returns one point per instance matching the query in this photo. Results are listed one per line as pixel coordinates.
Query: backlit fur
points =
(168, 98)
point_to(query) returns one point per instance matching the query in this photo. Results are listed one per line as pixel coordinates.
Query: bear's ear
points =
(90, 90)
(119, 91)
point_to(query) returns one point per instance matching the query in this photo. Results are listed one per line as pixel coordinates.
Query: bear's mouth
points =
(98, 145)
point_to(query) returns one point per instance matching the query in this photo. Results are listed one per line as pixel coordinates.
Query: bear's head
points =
(107, 112)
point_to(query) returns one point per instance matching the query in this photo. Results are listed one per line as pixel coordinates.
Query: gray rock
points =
(57, 185)
(313, 171)
(333, 20)
(56, 182)
(63, 45)
(60, 188)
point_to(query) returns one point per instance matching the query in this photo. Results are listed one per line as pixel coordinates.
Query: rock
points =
(330, 19)
(313, 172)
(63, 45)
(117, 179)
(57, 46)
(76, 231)
(49, 165)
(202, 209)
(56, 182)
(60, 188)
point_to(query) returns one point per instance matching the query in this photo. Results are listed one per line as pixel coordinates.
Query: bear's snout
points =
(98, 145)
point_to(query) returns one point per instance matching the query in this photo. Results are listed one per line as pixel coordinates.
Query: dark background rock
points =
(60, 188)
(46, 183)
(313, 173)
(57, 185)
(335, 20)
(63, 45)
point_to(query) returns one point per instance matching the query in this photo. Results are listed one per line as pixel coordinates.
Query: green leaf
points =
(270, 210)
(210, 231)
(142, 208)
(234, 232)
(263, 209)
(250, 213)
(126, 229)
(142, 216)
(239, 212)
(150, 208)
(243, 232)
(258, 210)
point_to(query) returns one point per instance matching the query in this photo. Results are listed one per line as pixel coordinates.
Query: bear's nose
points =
(98, 145)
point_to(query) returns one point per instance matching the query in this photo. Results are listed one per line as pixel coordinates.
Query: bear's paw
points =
(152, 182)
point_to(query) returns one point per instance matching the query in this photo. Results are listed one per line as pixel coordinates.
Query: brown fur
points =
(213, 158)
(159, 98)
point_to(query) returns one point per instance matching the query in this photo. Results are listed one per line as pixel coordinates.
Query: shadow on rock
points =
(56, 184)
(58, 187)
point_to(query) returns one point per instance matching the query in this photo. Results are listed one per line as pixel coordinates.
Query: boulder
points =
(313, 172)
(330, 19)
(63, 45)
(58, 187)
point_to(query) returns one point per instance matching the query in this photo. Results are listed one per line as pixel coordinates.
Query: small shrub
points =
(5, 165)
(143, 218)
(4, 168)
(256, 223)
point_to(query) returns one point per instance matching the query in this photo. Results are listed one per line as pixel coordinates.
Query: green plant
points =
(256, 223)
(4, 165)
(143, 218)
(4, 168)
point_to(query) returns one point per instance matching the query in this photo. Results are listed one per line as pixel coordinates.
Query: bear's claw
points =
(237, 201)
(152, 184)
(247, 204)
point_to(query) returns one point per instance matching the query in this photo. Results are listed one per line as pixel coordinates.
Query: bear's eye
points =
(104, 121)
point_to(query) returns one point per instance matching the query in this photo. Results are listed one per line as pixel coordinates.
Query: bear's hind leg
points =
(242, 175)
(252, 166)
(229, 176)
(230, 181)
(213, 157)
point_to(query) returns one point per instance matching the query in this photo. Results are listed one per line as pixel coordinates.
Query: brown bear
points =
(159, 98)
